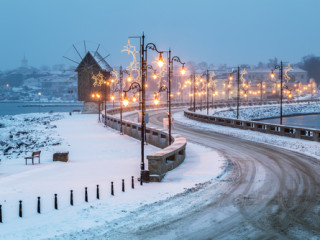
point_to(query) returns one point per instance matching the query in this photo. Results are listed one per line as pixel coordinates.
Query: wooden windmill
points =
(91, 64)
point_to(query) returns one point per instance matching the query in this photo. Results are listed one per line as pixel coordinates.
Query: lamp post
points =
(280, 67)
(97, 96)
(261, 85)
(188, 82)
(207, 73)
(238, 87)
(119, 90)
(105, 103)
(194, 92)
(137, 86)
(170, 70)
(144, 66)
(163, 88)
(39, 94)
(141, 88)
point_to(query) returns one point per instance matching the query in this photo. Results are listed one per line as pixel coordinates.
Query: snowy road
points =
(270, 193)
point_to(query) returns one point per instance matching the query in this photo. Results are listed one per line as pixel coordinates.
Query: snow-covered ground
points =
(309, 148)
(264, 111)
(98, 155)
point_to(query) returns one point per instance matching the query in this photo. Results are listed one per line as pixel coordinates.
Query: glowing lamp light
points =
(129, 79)
(272, 75)
(92, 95)
(134, 99)
(290, 95)
(245, 95)
(112, 97)
(183, 70)
(98, 95)
(125, 100)
(154, 75)
(156, 100)
(230, 77)
(39, 93)
(160, 61)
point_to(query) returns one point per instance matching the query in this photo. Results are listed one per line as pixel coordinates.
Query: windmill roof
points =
(97, 58)
(101, 61)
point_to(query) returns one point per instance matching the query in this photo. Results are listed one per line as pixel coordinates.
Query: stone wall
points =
(275, 129)
(159, 163)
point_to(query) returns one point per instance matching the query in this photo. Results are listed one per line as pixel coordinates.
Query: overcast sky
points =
(215, 31)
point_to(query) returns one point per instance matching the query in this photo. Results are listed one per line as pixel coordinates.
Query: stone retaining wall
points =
(159, 163)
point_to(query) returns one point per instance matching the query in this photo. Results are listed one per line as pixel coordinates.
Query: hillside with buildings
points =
(27, 83)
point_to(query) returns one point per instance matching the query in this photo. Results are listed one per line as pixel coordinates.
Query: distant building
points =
(257, 75)
(92, 64)
(24, 62)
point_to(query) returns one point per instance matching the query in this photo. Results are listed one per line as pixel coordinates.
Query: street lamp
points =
(141, 88)
(119, 90)
(207, 73)
(105, 101)
(160, 61)
(183, 71)
(261, 85)
(163, 88)
(154, 71)
(238, 87)
(156, 99)
(39, 94)
(193, 76)
(144, 68)
(272, 75)
(97, 96)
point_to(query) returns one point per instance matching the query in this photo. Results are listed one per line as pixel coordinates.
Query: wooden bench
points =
(34, 155)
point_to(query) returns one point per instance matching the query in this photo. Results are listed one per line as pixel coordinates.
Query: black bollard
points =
(0, 213)
(71, 197)
(38, 207)
(132, 182)
(86, 194)
(20, 208)
(112, 192)
(98, 195)
(122, 185)
(56, 201)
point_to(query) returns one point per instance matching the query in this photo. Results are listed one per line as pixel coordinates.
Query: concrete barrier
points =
(160, 162)
(275, 129)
